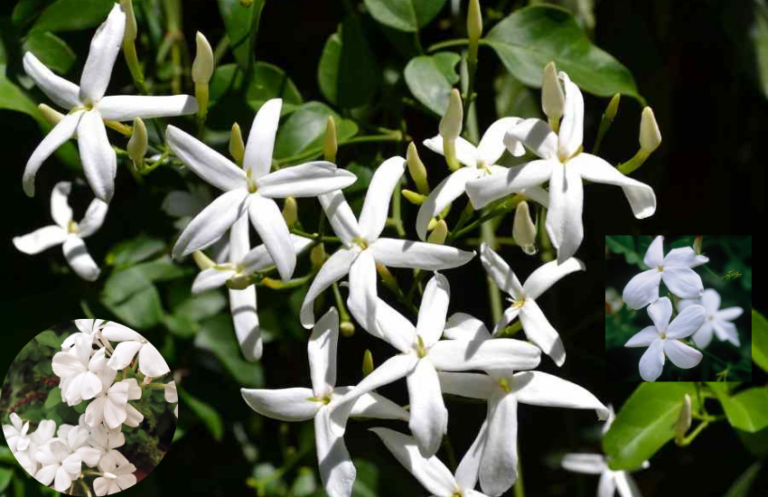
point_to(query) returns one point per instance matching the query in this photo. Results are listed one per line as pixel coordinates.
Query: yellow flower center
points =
(662, 335)
(72, 227)
(421, 351)
(361, 242)
(661, 268)
(252, 187)
(504, 384)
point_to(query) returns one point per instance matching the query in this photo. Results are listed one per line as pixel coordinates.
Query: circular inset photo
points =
(89, 407)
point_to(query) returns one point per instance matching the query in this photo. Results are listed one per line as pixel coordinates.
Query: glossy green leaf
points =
(129, 252)
(760, 340)
(6, 456)
(241, 23)
(347, 73)
(531, 37)
(431, 78)
(305, 128)
(645, 423)
(743, 483)
(207, 414)
(73, 15)
(623, 244)
(27, 10)
(747, 410)
(267, 81)
(405, 15)
(217, 335)
(755, 443)
(54, 398)
(6, 474)
(51, 50)
(513, 98)
(133, 298)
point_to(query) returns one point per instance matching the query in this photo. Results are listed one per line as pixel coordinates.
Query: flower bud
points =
(202, 67)
(439, 233)
(330, 143)
(347, 329)
(523, 230)
(450, 124)
(552, 96)
(697, 244)
(236, 145)
(613, 108)
(137, 144)
(52, 116)
(131, 31)
(317, 256)
(413, 197)
(474, 27)
(202, 260)
(239, 282)
(432, 224)
(290, 211)
(367, 363)
(650, 136)
(272, 283)
(683, 420)
(417, 170)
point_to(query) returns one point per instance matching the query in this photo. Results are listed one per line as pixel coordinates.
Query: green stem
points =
(519, 489)
(728, 276)
(343, 313)
(494, 295)
(448, 44)
(687, 440)
(470, 95)
(132, 59)
(396, 136)
(500, 210)
(316, 237)
(397, 213)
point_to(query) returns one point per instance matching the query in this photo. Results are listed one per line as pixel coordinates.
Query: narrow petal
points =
(682, 355)
(40, 239)
(322, 353)
(726, 331)
(469, 468)
(471, 385)
(466, 153)
(119, 333)
(660, 313)
(566, 201)
(643, 338)
(55, 138)
(209, 279)
(498, 468)
(537, 194)
(418, 255)
(536, 135)
(340, 216)
(129, 107)
(591, 464)
(728, 314)
(684, 257)
(394, 328)
(446, 192)
(151, 363)
(509, 315)
(305, 180)
(483, 191)
(434, 309)
(79, 259)
(336, 267)
(242, 305)
(498, 269)
(61, 212)
(363, 295)
(429, 417)
(654, 256)
(710, 300)
(571, 133)
(492, 146)
(542, 389)
(430, 472)
(540, 331)
(687, 322)
(683, 282)
(261, 139)
(652, 361)
(105, 45)
(210, 165)
(98, 157)
(703, 335)
(548, 274)
(123, 355)
(63, 93)
(269, 223)
(373, 405)
(134, 417)
(63, 480)
(462, 326)
(94, 218)
(499, 353)
(641, 197)
(385, 179)
(607, 485)
(65, 365)
(287, 404)
(212, 223)
(259, 259)
(336, 469)
(642, 289)
(625, 485)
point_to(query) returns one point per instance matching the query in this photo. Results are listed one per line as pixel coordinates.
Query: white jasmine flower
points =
(478, 162)
(79, 375)
(88, 107)
(423, 355)
(114, 477)
(251, 189)
(106, 441)
(16, 433)
(58, 465)
(111, 406)
(430, 471)
(302, 404)
(663, 338)
(67, 232)
(564, 165)
(536, 326)
(76, 440)
(151, 363)
(675, 270)
(718, 320)
(88, 327)
(41, 436)
(363, 247)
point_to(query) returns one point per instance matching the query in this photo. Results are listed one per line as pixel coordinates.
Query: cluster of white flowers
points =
(88, 366)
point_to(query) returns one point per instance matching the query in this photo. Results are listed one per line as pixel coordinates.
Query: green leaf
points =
(347, 73)
(163, 269)
(73, 15)
(645, 423)
(6, 474)
(6, 456)
(531, 37)
(129, 252)
(44, 368)
(26, 11)
(132, 297)
(624, 244)
(241, 23)
(431, 78)
(54, 398)
(205, 412)
(760, 340)
(748, 410)
(367, 479)
(743, 483)
(755, 443)
(217, 335)
(51, 50)
(267, 81)
(80, 408)
(405, 15)
(305, 128)
(50, 339)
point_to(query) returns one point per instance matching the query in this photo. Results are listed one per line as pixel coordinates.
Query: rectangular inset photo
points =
(677, 308)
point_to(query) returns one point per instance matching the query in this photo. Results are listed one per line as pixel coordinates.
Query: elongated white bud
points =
(523, 230)
(137, 144)
(236, 145)
(474, 27)
(552, 96)
(650, 135)
(450, 124)
(202, 67)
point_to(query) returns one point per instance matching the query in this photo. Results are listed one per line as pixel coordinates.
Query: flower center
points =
(661, 268)
(517, 304)
(360, 242)
(662, 335)
(110, 475)
(564, 159)
(252, 187)
(505, 385)
(325, 399)
(72, 227)
(421, 351)
(711, 318)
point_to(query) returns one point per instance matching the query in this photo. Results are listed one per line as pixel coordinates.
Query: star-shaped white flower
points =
(675, 270)
(478, 162)
(88, 108)
(151, 363)
(363, 247)
(27, 457)
(564, 165)
(423, 354)
(663, 338)
(16, 433)
(88, 327)
(302, 404)
(112, 407)
(718, 320)
(430, 471)
(115, 477)
(80, 375)
(535, 324)
(106, 441)
(67, 232)
(76, 441)
(58, 465)
(252, 188)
